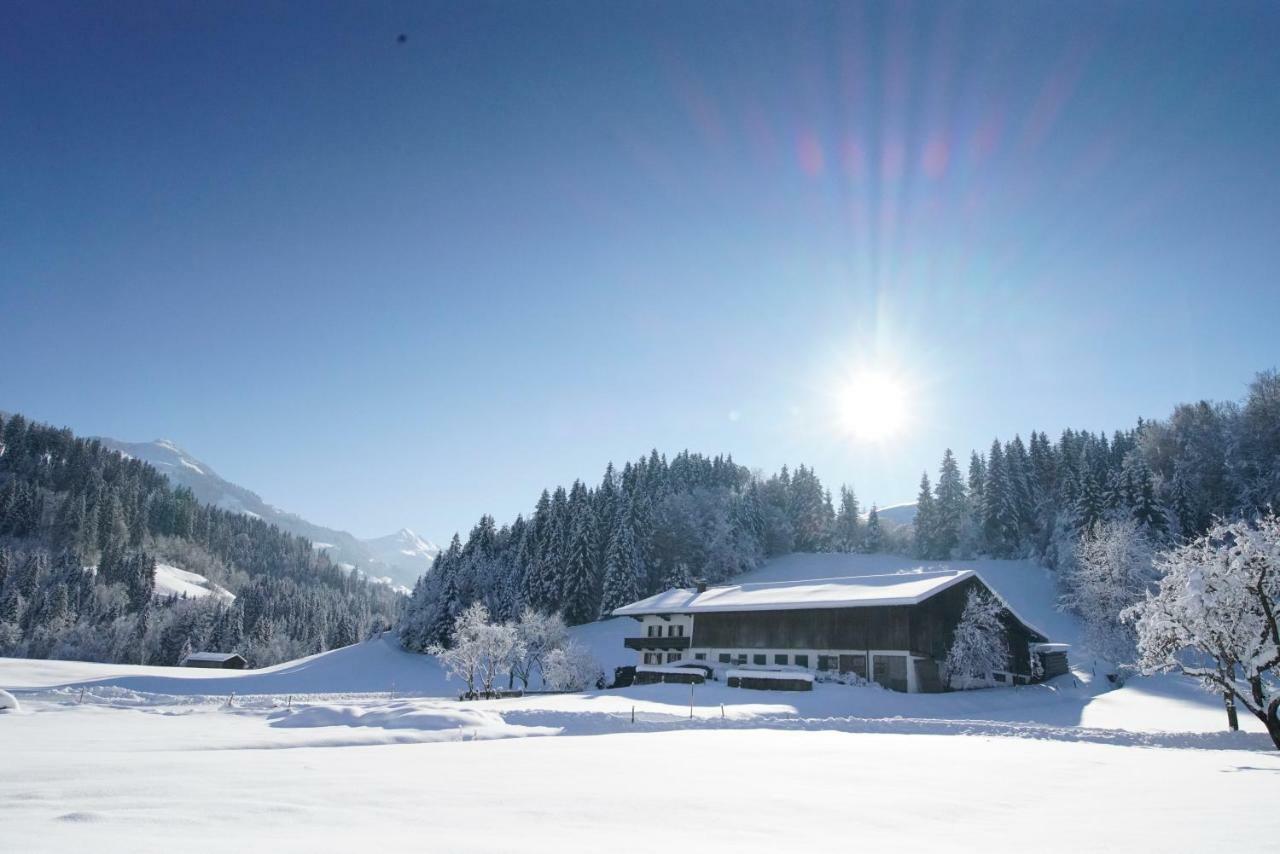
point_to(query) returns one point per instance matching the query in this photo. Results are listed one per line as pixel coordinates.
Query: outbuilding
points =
(894, 629)
(223, 660)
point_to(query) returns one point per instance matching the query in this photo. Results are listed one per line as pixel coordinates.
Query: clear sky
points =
(389, 284)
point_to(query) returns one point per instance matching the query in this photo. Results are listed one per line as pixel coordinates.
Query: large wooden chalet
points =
(892, 629)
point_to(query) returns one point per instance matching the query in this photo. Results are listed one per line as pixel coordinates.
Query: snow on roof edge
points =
(655, 605)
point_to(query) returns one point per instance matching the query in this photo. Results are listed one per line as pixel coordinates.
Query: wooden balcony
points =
(678, 642)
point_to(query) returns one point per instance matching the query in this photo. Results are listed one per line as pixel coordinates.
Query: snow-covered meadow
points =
(365, 746)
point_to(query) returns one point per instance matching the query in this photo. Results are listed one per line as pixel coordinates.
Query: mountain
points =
(403, 549)
(398, 558)
(897, 514)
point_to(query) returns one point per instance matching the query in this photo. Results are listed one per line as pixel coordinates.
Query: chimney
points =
(702, 585)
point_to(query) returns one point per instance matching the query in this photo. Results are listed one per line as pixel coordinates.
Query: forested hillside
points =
(82, 528)
(1171, 478)
(657, 524)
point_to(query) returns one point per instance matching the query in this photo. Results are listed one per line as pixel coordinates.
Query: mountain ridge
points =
(398, 558)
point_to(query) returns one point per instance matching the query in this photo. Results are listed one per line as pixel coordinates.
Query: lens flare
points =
(873, 406)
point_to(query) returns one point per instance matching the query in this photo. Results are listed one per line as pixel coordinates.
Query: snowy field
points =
(363, 748)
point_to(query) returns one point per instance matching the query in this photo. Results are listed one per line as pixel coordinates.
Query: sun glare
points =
(873, 406)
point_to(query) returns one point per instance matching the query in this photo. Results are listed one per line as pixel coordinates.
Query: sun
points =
(873, 405)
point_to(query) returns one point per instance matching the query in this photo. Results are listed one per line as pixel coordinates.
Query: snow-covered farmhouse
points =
(224, 660)
(892, 629)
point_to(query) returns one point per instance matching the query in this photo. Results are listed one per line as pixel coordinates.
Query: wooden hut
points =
(223, 660)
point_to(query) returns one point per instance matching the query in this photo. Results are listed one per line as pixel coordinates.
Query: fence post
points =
(633, 714)
(80, 702)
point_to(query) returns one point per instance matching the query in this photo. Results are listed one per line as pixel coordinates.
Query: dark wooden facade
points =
(925, 629)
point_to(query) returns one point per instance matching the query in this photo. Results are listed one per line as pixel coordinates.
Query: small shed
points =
(651, 674)
(222, 660)
(770, 680)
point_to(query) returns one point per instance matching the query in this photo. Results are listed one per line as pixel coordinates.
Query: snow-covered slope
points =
(395, 558)
(896, 514)
(172, 581)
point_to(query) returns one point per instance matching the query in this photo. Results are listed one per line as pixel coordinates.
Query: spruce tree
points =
(926, 521)
(624, 570)
(950, 507)
(873, 539)
(847, 527)
(580, 595)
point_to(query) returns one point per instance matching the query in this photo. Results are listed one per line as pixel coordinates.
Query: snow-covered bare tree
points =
(571, 668)
(501, 646)
(465, 659)
(1214, 615)
(1112, 571)
(539, 635)
(979, 646)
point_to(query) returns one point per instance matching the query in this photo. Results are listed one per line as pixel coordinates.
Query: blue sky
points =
(391, 284)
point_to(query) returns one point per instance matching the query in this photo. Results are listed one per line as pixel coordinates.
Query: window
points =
(779, 659)
(742, 658)
(680, 630)
(700, 656)
(653, 658)
(826, 662)
(673, 656)
(802, 661)
(999, 677)
(654, 631)
(890, 671)
(724, 658)
(759, 658)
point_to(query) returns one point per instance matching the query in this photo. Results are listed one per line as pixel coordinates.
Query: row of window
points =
(675, 630)
(656, 657)
(799, 659)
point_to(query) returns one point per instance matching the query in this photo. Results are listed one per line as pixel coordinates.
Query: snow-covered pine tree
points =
(580, 597)
(950, 507)
(847, 527)
(1090, 508)
(624, 570)
(979, 646)
(999, 510)
(926, 522)
(873, 537)
(1145, 507)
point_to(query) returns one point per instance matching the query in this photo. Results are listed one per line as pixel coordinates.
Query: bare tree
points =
(538, 634)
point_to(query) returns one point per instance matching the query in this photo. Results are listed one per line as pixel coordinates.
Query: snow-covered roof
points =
(211, 656)
(909, 588)
(1050, 647)
(682, 670)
